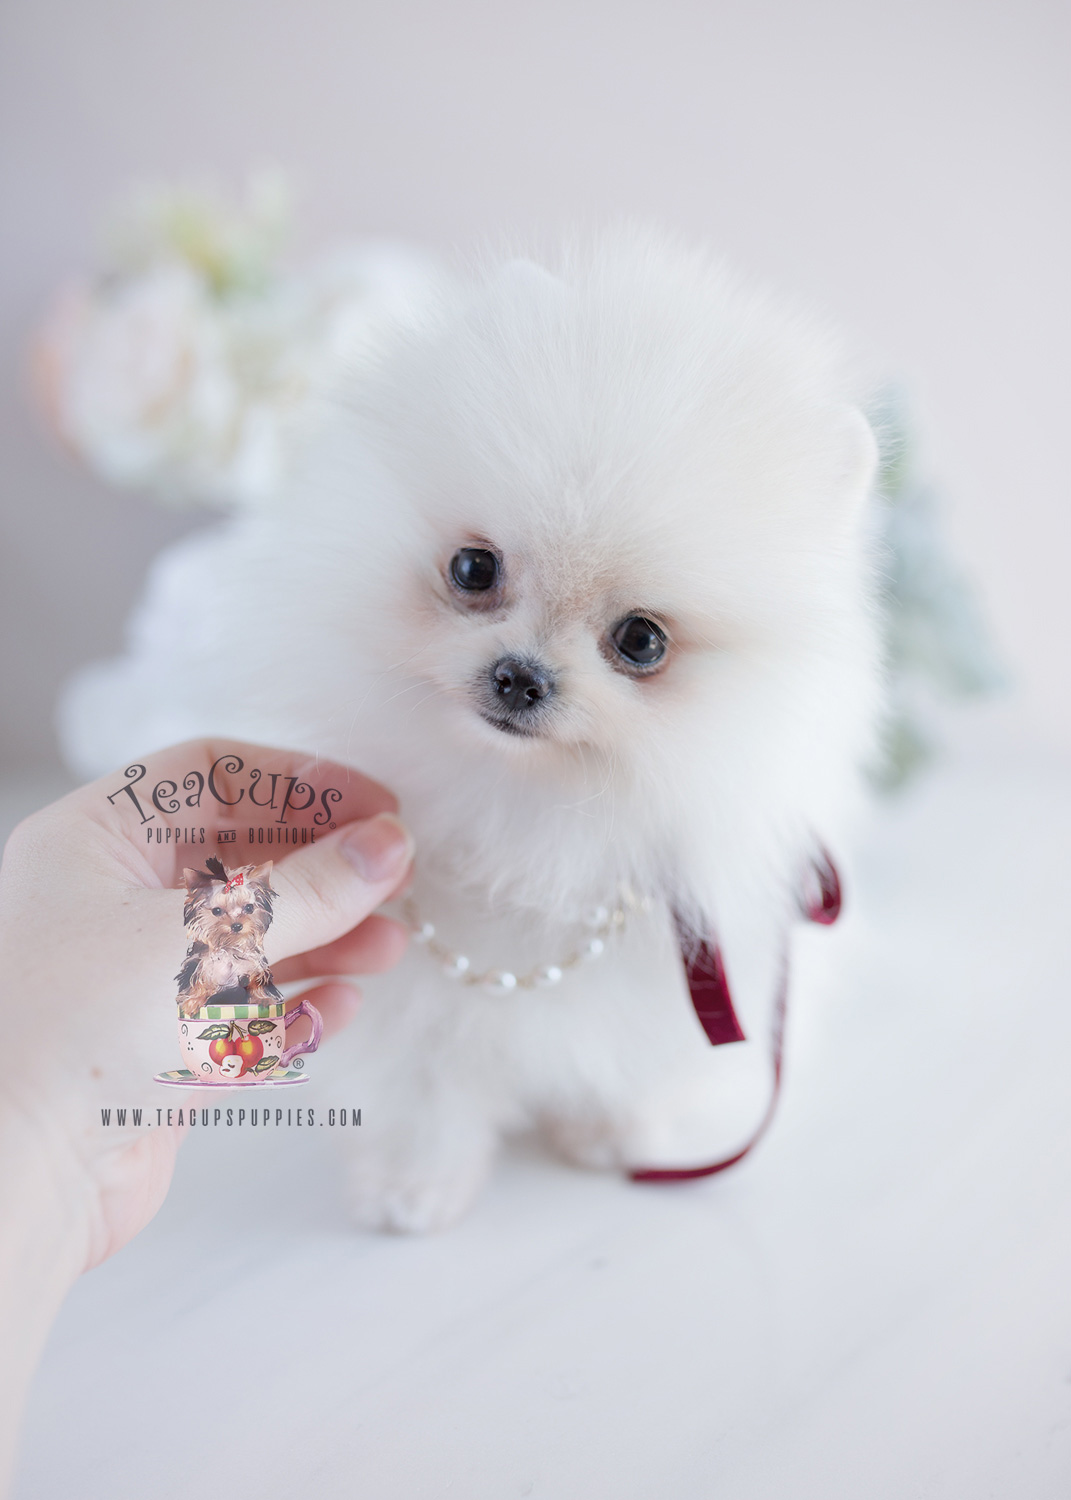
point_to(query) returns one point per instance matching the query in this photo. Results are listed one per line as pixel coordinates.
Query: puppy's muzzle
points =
(517, 690)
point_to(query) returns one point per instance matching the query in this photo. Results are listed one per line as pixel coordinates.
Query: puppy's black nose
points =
(520, 685)
(236, 926)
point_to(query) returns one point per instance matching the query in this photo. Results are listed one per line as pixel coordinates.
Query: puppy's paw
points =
(411, 1204)
(707, 1116)
(593, 1141)
(408, 1195)
(688, 1120)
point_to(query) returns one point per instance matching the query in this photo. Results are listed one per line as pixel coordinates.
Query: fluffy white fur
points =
(635, 432)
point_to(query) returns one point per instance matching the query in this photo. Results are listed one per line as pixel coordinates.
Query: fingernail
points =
(378, 849)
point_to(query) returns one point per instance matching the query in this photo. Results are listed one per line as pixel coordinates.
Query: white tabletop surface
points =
(876, 1306)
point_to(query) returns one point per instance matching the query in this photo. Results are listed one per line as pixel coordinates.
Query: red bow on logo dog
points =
(238, 879)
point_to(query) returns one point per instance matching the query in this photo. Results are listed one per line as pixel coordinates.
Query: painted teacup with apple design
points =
(244, 1044)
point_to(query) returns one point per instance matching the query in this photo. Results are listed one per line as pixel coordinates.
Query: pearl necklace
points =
(601, 923)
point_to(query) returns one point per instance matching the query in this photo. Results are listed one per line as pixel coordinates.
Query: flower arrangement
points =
(937, 646)
(183, 366)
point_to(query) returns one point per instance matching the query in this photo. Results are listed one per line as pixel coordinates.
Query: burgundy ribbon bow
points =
(709, 989)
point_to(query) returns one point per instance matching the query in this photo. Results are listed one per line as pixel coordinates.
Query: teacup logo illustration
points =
(232, 1019)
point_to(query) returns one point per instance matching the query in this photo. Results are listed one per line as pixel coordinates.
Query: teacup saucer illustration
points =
(182, 1078)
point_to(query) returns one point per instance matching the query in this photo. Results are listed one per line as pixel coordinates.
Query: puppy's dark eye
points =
(474, 569)
(248, 908)
(217, 911)
(640, 641)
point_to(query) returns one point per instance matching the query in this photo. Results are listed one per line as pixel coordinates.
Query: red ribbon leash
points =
(709, 989)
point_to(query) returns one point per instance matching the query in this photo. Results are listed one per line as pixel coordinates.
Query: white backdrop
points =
(903, 166)
(876, 1303)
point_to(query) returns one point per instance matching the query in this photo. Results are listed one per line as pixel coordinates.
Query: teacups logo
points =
(270, 791)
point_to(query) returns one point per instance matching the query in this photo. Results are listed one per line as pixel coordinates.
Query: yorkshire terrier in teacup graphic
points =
(227, 913)
(232, 1019)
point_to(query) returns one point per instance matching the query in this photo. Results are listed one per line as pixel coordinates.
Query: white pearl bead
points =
(424, 933)
(597, 919)
(501, 981)
(593, 948)
(549, 974)
(456, 965)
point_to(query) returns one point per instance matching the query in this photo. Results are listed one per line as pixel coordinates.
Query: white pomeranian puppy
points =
(576, 562)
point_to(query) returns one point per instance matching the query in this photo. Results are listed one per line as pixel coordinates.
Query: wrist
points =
(45, 1232)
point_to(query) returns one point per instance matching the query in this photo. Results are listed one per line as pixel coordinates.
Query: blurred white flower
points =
(231, 247)
(141, 381)
(183, 369)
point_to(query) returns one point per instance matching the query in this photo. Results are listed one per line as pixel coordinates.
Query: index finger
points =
(230, 798)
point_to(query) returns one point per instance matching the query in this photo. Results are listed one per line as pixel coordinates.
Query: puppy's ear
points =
(856, 464)
(524, 273)
(259, 877)
(197, 883)
(526, 283)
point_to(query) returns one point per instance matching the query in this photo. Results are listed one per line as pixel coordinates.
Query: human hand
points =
(91, 935)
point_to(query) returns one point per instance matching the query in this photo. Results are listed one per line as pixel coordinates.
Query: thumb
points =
(329, 887)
